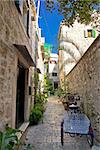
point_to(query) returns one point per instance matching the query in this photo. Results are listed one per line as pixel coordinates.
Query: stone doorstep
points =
(21, 136)
(22, 128)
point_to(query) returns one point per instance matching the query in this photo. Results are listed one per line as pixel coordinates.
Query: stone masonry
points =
(12, 31)
(47, 136)
(73, 43)
(84, 79)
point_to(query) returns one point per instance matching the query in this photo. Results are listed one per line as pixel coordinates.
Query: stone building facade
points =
(73, 43)
(15, 62)
(84, 79)
(53, 70)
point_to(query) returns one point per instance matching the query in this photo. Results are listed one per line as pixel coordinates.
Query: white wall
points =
(53, 68)
(73, 44)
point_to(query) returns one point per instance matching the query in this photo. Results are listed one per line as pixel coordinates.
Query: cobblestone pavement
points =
(46, 135)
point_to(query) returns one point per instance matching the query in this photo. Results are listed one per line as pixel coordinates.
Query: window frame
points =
(54, 74)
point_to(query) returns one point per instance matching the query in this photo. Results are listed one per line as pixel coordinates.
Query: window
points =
(26, 15)
(55, 85)
(26, 20)
(53, 62)
(19, 5)
(54, 74)
(32, 18)
(23, 9)
(90, 33)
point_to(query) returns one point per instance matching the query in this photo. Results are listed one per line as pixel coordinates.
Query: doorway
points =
(55, 85)
(20, 98)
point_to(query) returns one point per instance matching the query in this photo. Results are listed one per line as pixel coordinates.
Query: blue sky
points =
(49, 23)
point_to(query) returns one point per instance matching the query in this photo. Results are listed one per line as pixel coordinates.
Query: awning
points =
(24, 51)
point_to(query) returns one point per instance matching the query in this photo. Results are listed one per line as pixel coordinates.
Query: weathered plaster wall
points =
(84, 79)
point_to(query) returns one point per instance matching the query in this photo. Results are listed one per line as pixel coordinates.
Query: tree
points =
(74, 9)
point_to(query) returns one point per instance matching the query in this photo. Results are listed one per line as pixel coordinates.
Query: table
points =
(73, 107)
(77, 124)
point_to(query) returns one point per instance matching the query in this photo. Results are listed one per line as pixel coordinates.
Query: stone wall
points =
(8, 67)
(11, 24)
(84, 79)
(12, 31)
(73, 43)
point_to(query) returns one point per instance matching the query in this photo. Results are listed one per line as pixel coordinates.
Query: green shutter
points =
(47, 49)
(93, 33)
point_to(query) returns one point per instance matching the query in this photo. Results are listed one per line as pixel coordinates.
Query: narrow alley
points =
(46, 135)
(49, 49)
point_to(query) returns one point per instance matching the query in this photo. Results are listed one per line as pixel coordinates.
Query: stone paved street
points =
(46, 135)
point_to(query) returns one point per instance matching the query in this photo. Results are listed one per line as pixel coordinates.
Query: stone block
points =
(84, 79)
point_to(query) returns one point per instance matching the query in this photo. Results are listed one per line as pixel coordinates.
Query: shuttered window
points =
(23, 9)
(90, 33)
(54, 74)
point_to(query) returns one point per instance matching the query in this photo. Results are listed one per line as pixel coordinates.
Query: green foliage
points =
(29, 147)
(40, 98)
(8, 138)
(44, 98)
(48, 85)
(35, 116)
(74, 9)
(40, 107)
(45, 84)
(36, 79)
(60, 92)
